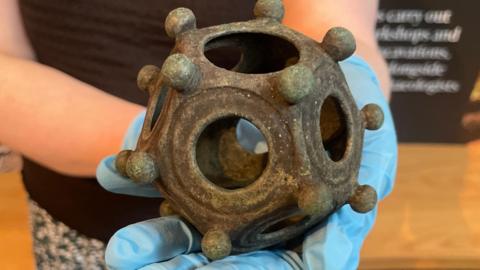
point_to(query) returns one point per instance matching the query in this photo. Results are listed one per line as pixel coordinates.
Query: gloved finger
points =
(362, 82)
(379, 156)
(258, 260)
(379, 162)
(336, 243)
(110, 180)
(150, 241)
(183, 262)
(379, 153)
(133, 132)
(250, 137)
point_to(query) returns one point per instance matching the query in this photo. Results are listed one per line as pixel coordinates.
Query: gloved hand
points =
(168, 243)
(108, 176)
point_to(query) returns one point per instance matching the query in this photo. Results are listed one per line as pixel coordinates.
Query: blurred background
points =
(432, 218)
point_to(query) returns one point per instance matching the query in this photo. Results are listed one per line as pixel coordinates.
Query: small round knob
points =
(269, 9)
(146, 76)
(166, 209)
(216, 244)
(339, 43)
(295, 82)
(372, 116)
(141, 167)
(180, 72)
(179, 20)
(121, 162)
(363, 199)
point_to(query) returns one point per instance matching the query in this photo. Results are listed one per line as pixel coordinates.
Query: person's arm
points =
(50, 117)
(314, 17)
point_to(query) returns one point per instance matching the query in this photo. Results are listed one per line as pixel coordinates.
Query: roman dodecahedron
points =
(292, 90)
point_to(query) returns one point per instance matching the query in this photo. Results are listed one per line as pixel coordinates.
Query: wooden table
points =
(432, 218)
(15, 241)
(430, 221)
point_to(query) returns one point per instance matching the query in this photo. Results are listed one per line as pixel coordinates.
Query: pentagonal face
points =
(333, 130)
(274, 187)
(259, 53)
(260, 50)
(256, 215)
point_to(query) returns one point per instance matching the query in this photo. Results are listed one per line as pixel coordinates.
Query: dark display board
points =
(432, 49)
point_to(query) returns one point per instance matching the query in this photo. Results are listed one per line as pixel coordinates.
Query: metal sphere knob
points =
(295, 82)
(141, 167)
(180, 72)
(178, 21)
(363, 199)
(147, 76)
(216, 244)
(373, 116)
(339, 43)
(269, 9)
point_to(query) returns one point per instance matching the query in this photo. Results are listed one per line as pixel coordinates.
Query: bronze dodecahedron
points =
(288, 86)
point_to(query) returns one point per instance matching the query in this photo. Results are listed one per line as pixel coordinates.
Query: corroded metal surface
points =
(288, 86)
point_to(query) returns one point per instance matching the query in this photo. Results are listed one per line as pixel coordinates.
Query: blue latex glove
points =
(107, 175)
(168, 243)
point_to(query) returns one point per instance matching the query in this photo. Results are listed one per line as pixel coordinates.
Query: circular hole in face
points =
(333, 128)
(231, 152)
(226, 57)
(251, 53)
